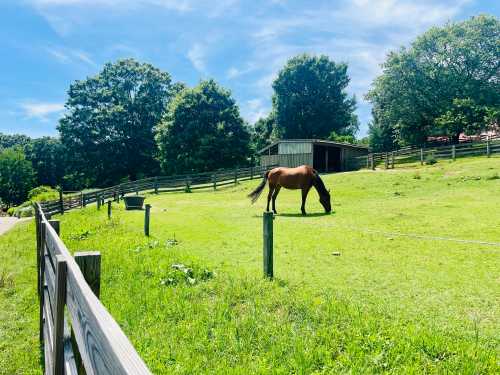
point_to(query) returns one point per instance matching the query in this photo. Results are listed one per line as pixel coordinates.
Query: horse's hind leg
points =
(275, 194)
(269, 196)
(305, 191)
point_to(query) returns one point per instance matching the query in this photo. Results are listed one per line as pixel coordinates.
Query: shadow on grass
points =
(314, 214)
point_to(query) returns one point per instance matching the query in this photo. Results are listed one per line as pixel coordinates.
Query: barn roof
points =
(314, 142)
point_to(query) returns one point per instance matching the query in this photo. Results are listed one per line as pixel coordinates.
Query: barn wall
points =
(295, 148)
(287, 160)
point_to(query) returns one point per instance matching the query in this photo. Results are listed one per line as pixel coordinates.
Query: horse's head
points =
(324, 199)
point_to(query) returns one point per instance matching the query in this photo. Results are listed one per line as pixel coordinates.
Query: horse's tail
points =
(254, 195)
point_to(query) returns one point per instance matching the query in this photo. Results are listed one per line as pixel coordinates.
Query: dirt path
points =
(6, 223)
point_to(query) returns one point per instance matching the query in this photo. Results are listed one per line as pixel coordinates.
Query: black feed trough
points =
(134, 202)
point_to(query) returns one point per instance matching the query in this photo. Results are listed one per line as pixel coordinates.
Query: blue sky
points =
(47, 44)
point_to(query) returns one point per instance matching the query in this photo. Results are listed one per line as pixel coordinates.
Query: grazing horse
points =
(303, 177)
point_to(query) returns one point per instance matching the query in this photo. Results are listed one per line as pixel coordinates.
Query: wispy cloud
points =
(69, 55)
(41, 110)
(254, 109)
(197, 56)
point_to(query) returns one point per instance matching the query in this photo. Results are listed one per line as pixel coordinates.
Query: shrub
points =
(430, 159)
(43, 193)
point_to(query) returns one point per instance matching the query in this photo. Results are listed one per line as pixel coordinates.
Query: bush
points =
(430, 159)
(42, 194)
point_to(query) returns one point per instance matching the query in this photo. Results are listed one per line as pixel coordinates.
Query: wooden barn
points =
(324, 156)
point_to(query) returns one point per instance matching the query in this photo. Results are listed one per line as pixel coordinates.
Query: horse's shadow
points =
(314, 214)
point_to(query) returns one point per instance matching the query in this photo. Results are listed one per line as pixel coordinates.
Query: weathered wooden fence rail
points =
(77, 333)
(485, 148)
(188, 182)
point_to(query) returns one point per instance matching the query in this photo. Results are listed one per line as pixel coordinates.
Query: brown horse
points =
(303, 177)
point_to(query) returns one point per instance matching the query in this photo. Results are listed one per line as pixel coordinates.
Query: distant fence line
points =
(77, 333)
(187, 182)
(407, 155)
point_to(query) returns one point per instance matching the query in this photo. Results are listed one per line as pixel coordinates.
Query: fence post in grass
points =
(251, 173)
(61, 201)
(43, 231)
(81, 199)
(60, 299)
(188, 185)
(453, 154)
(372, 159)
(109, 209)
(386, 160)
(98, 201)
(90, 265)
(392, 160)
(56, 224)
(421, 156)
(236, 176)
(146, 219)
(156, 185)
(488, 146)
(268, 244)
(214, 181)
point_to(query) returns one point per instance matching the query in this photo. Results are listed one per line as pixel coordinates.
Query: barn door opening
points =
(327, 159)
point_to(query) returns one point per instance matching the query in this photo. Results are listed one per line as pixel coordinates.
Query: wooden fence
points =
(77, 333)
(421, 155)
(188, 182)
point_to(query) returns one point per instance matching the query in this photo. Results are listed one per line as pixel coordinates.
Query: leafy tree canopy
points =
(12, 140)
(310, 99)
(445, 70)
(202, 131)
(47, 156)
(16, 176)
(108, 128)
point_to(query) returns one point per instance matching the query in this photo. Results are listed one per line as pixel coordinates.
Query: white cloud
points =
(196, 55)
(254, 109)
(41, 110)
(69, 55)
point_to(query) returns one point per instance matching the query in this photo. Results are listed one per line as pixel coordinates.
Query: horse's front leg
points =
(305, 191)
(269, 196)
(275, 194)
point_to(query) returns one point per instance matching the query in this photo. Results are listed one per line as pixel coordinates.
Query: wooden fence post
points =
(56, 224)
(214, 181)
(81, 200)
(488, 153)
(251, 173)
(386, 160)
(421, 156)
(236, 176)
(109, 209)
(90, 265)
(61, 201)
(156, 185)
(268, 244)
(373, 162)
(392, 160)
(146, 219)
(60, 299)
(43, 231)
(98, 201)
(453, 152)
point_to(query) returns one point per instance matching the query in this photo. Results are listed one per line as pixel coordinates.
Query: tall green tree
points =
(202, 131)
(13, 140)
(47, 156)
(16, 176)
(108, 128)
(310, 99)
(442, 68)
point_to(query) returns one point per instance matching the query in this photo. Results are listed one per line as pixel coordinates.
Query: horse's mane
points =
(319, 185)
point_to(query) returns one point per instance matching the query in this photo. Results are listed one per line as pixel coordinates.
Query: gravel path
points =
(6, 223)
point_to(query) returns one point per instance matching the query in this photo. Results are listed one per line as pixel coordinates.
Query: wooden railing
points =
(77, 333)
(186, 182)
(420, 155)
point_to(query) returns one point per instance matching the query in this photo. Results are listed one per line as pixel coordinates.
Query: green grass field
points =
(392, 302)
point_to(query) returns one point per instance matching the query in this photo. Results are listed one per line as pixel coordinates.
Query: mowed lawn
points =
(415, 289)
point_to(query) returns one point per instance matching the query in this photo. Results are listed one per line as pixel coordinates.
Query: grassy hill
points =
(415, 289)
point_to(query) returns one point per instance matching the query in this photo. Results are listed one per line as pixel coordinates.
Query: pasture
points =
(402, 297)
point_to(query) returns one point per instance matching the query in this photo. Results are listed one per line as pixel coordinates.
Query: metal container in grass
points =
(134, 202)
